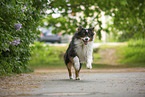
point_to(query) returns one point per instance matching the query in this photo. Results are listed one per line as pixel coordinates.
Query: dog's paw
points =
(78, 78)
(89, 66)
(71, 77)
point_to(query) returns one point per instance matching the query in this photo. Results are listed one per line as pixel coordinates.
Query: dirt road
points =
(92, 84)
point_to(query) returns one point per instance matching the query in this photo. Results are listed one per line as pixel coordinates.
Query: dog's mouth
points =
(85, 42)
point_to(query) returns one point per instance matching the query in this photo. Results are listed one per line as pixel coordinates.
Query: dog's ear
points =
(80, 28)
(92, 29)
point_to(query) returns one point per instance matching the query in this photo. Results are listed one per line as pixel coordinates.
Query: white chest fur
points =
(84, 52)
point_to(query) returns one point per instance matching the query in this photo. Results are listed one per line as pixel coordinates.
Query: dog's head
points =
(85, 35)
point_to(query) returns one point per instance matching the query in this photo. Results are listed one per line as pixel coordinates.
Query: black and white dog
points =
(80, 51)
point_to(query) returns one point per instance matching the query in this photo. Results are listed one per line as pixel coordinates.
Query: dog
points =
(80, 51)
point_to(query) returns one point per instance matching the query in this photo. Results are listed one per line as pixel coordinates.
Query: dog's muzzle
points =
(86, 40)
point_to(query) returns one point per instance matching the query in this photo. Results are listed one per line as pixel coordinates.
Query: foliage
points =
(130, 19)
(73, 14)
(18, 23)
(128, 16)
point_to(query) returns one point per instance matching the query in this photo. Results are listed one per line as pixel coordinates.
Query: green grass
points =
(52, 56)
(133, 56)
(47, 56)
(136, 43)
(129, 56)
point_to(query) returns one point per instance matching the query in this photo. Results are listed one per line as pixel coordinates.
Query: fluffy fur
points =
(80, 51)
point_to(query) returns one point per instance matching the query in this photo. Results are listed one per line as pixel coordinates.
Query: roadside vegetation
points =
(46, 56)
(120, 56)
(134, 53)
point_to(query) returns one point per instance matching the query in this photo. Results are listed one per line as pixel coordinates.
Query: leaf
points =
(1, 18)
(123, 2)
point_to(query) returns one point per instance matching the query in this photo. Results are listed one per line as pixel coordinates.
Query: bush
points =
(18, 22)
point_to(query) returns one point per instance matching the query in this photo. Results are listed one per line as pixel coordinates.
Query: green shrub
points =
(18, 22)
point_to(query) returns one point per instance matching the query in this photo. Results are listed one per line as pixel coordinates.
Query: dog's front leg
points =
(89, 62)
(77, 67)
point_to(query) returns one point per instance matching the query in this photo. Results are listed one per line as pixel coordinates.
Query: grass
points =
(131, 55)
(47, 56)
(134, 53)
(126, 56)
(136, 43)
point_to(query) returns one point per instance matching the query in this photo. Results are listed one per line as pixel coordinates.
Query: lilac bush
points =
(18, 22)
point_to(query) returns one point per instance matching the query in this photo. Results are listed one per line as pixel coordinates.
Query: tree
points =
(74, 13)
(129, 18)
(128, 15)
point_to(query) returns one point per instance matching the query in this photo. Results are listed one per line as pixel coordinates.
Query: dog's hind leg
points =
(69, 66)
(77, 74)
(78, 71)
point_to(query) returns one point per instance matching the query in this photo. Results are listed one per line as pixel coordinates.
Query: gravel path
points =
(49, 84)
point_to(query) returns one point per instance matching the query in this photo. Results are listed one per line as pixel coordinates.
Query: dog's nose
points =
(86, 39)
